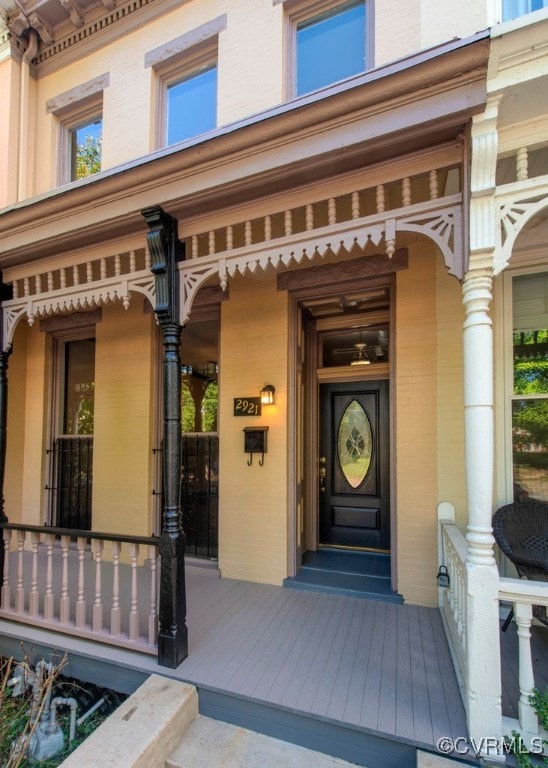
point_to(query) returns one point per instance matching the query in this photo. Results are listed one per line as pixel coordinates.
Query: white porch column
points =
(483, 684)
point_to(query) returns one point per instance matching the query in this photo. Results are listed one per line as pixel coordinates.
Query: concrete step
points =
(209, 742)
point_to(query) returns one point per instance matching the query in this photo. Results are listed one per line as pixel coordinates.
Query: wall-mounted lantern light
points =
(267, 394)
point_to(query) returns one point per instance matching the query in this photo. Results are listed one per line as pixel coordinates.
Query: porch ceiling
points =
(420, 102)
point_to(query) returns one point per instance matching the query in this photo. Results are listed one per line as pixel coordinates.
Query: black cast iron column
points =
(165, 251)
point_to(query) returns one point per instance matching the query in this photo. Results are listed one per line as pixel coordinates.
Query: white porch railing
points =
(98, 586)
(523, 594)
(452, 600)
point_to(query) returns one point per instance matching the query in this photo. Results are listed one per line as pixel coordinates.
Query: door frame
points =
(303, 416)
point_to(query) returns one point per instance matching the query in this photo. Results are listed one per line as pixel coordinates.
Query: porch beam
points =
(166, 250)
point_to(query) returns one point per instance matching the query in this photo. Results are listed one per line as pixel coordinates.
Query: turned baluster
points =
(89, 272)
(48, 597)
(75, 275)
(38, 284)
(211, 242)
(147, 258)
(50, 281)
(522, 164)
(527, 716)
(268, 228)
(103, 268)
(332, 211)
(64, 606)
(34, 593)
(97, 616)
(15, 286)
(380, 198)
(117, 265)
(6, 597)
(406, 191)
(355, 205)
(194, 246)
(153, 617)
(288, 223)
(132, 267)
(26, 286)
(81, 601)
(309, 217)
(134, 612)
(247, 233)
(20, 589)
(434, 189)
(229, 238)
(115, 614)
(63, 277)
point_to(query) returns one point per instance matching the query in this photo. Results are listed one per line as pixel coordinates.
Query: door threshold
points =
(355, 549)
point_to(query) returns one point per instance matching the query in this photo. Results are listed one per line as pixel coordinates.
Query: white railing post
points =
(64, 606)
(97, 618)
(34, 593)
(49, 597)
(134, 610)
(528, 719)
(6, 597)
(81, 602)
(153, 616)
(115, 614)
(20, 589)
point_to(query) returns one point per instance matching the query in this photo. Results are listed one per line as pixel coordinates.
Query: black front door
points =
(354, 465)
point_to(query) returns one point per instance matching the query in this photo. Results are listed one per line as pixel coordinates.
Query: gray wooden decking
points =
(378, 670)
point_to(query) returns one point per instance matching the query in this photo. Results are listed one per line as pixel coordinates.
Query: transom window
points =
(330, 46)
(191, 104)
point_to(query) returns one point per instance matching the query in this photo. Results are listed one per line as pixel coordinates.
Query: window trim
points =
(504, 380)
(178, 60)
(299, 11)
(72, 109)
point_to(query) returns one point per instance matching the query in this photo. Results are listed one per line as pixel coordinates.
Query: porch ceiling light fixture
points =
(267, 394)
(360, 358)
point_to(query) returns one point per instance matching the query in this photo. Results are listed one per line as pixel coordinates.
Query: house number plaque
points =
(247, 406)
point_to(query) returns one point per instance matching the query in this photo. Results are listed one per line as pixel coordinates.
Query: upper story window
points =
(329, 46)
(512, 9)
(191, 104)
(79, 113)
(186, 83)
(85, 145)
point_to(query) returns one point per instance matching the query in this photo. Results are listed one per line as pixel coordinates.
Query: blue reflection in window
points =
(330, 47)
(511, 9)
(192, 105)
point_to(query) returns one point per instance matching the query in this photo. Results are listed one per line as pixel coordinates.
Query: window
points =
(85, 142)
(79, 113)
(186, 83)
(191, 105)
(529, 399)
(512, 9)
(329, 46)
(72, 448)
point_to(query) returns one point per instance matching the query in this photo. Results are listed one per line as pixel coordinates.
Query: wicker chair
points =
(521, 531)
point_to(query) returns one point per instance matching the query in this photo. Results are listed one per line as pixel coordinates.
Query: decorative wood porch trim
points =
(81, 286)
(291, 237)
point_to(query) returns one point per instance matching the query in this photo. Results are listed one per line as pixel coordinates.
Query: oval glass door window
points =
(354, 444)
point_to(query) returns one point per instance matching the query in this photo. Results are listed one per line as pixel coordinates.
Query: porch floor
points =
(304, 666)
(302, 659)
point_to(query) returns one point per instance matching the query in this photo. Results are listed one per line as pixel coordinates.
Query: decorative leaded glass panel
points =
(354, 443)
